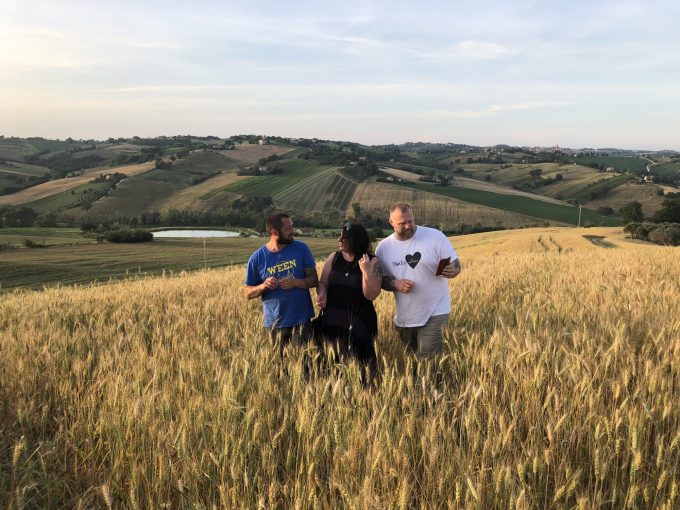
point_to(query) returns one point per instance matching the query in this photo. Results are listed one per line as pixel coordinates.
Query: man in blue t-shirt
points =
(282, 272)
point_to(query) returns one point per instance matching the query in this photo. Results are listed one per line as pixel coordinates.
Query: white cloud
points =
(479, 50)
(539, 105)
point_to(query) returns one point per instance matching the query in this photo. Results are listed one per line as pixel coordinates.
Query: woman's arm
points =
(372, 274)
(322, 289)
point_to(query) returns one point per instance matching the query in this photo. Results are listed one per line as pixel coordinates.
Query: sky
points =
(580, 74)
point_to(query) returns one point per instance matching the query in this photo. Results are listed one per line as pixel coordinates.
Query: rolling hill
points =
(492, 187)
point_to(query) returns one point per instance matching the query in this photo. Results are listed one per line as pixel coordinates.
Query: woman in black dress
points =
(349, 282)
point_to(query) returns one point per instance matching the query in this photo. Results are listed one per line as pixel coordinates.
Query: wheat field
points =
(375, 198)
(558, 388)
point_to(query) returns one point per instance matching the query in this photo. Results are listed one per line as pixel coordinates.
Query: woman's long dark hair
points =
(357, 239)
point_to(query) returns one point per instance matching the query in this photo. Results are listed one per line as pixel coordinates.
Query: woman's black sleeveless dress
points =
(349, 318)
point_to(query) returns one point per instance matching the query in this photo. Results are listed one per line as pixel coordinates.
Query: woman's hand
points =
(366, 264)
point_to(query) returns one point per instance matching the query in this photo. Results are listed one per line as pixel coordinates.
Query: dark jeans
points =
(298, 335)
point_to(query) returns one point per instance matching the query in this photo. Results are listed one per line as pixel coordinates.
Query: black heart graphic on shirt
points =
(412, 260)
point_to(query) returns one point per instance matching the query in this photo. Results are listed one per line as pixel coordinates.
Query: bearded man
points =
(417, 262)
(281, 273)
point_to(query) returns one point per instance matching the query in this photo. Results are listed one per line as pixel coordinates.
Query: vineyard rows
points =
(323, 190)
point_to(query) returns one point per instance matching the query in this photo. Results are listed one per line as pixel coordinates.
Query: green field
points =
(670, 169)
(295, 171)
(84, 263)
(18, 148)
(70, 199)
(620, 163)
(13, 175)
(325, 189)
(513, 203)
(24, 169)
(14, 237)
(604, 186)
(147, 191)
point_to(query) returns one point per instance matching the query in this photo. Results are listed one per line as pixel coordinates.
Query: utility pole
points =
(580, 206)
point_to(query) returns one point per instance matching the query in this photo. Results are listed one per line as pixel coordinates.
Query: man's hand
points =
(271, 283)
(452, 270)
(403, 286)
(288, 283)
(255, 291)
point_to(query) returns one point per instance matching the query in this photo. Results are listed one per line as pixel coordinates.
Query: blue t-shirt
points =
(282, 308)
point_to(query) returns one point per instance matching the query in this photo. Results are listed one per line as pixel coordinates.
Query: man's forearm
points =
(311, 278)
(387, 283)
(309, 282)
(254, 291)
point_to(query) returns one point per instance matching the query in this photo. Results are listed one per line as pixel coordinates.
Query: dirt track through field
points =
(50, 188)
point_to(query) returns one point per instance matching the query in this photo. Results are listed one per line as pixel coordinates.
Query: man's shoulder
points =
(262, 250)
(299, 244)
(385, 242)
(430, 232)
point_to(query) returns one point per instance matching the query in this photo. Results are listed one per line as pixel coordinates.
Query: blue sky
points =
(578, 74)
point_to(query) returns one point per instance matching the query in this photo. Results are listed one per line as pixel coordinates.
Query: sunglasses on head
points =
(347, 227)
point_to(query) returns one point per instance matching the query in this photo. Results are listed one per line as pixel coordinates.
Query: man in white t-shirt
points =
(411, 258)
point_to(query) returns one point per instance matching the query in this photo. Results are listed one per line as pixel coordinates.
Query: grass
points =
(324, 189)
(557, 389)
(521, 205)
(84, 263)
(432, 209)
(295, 171)
(14, 236)
(604, 185)
(70, 199)
(151, 190)
(669, 169)
(620, 163)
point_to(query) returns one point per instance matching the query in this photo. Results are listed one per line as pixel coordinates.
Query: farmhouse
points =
(305, 231)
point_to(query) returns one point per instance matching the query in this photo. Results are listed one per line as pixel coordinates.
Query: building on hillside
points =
(649, 178)
(610, 170)
(263, 141)
(305, 231)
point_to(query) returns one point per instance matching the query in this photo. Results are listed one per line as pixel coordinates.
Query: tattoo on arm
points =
(378, 270)
(312, 277)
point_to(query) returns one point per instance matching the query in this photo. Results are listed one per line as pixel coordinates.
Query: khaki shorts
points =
(425, 340)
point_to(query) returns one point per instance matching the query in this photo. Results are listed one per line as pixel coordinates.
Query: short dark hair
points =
(358, 240)
(275, 222)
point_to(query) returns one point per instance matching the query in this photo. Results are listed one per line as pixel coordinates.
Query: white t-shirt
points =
(416, 259)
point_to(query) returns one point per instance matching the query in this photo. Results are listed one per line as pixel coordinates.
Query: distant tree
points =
(632, 212)
(605, 211)
(356, 210)
(536, 172)
(559, 177)
(669, 212)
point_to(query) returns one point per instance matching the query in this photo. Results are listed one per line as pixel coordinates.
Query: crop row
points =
(522, 205)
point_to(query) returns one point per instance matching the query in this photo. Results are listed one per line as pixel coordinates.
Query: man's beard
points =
(284, 240)
(406, 235)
